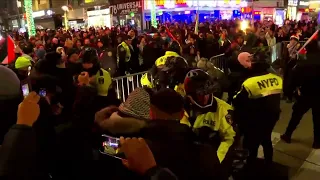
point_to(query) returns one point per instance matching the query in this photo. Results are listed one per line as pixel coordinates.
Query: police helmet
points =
(198, 82)
(175, 47)
(200, 87)
(90, 55)
(173, 72)
(172, 63)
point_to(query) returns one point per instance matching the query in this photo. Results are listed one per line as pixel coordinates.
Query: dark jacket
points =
(18, 155)
(306, 77)
(258, 113)
(174, 147)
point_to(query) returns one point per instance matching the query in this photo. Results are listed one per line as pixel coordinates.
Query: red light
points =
(179, 2)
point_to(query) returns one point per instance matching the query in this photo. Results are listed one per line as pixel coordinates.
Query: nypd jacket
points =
(258, 101)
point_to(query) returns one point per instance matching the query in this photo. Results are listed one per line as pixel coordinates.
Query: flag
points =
(196, 28)
(169, 34)
(7, 54)
(313, 37)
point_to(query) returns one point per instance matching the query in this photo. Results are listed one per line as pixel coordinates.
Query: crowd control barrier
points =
(124, 85)
(220, 62)
(280, 51)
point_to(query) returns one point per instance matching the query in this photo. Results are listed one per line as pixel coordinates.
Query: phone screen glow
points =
(25, 90)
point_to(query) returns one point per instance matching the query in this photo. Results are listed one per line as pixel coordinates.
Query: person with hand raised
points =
(141, 160)
(18, 151)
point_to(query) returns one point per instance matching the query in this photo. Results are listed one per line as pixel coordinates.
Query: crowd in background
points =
(74, 113)
(214, 38)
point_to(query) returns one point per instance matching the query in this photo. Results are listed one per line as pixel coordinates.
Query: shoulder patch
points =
(229, 117)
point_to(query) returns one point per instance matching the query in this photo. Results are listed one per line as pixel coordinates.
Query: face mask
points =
(164, 38)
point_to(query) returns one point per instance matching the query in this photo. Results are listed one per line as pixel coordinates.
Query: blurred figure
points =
(23, 67)
(124, 55)
(10, 97)
(257, 105)
(304, 80)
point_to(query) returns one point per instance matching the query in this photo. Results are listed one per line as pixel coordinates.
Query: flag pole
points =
(196, 28)
(308, 41)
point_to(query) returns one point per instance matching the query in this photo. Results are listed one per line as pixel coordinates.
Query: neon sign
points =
(171, 4)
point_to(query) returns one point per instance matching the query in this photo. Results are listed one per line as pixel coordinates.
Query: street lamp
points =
(65, 9)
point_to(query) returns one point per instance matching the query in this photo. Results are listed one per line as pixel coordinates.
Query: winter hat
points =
(137, 105)
(9, 84)
(41, 53)
(22, 62)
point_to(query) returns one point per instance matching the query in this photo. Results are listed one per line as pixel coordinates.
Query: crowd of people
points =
(58, 102)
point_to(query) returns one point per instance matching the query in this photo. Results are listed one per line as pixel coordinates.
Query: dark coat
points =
(174, 147)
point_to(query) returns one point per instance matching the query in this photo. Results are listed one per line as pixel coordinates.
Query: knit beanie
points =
(9, 84)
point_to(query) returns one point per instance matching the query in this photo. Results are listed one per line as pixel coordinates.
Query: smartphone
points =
(25, 89)
(111, 147)
(42, 92)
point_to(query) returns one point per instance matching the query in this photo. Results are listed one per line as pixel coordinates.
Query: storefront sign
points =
(303, 3)
(98, 12)
(126, 8)
(170, 4)
(293, 2)
(38, 14)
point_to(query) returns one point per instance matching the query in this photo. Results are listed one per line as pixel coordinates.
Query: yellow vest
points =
(145, 81)
(162, 60)
(127, 49)
(262, 86)
(218, 121)
(180, 89)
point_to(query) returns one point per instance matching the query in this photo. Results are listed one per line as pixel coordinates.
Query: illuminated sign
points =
(293, 2)
(175, 2)
(303, 3)
(38, 14)
(171, 4)
(98, 12)
(126, 8)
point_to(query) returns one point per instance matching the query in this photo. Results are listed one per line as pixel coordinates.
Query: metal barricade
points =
(280, 50)
(124, 85)
(220, 62)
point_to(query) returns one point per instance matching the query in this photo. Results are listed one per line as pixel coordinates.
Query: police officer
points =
(257, 107)
(305, 81)
(210, 117)
(100, 79)
(124, 52)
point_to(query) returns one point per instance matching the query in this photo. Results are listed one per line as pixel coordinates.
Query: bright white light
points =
(187, 12)
(65, 8)
(0, 37)
(18, 4)
(244, 25)
(49, 12)
(169, 4)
